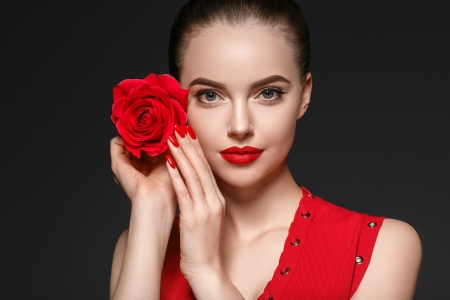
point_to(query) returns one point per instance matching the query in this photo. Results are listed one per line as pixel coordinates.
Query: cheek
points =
(209, 125)
(274, 129)
(276, 125)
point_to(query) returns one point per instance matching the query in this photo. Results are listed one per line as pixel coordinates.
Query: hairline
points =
(277, 28)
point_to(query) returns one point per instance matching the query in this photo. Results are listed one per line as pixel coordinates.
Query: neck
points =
(268, 204)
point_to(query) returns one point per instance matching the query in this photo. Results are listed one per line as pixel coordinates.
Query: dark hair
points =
(283, 15)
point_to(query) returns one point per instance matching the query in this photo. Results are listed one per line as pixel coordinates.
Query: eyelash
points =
(279, 93)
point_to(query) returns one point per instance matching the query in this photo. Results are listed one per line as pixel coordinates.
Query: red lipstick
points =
(239, 156)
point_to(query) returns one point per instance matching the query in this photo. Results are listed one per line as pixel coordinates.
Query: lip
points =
(239, 156)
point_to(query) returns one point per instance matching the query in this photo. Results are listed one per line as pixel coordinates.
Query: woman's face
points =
(244, 90)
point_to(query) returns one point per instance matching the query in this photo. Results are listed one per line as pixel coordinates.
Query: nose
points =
(241, 125)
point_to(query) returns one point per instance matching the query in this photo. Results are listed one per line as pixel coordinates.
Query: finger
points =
(192, 179)
(120, 163)
(195, 142)
(117, 151)
(193, 166)
(183, 197)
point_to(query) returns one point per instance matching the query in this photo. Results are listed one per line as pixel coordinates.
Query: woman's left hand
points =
(202, 211)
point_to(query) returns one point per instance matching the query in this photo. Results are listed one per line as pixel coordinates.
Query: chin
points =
(244, 175)
(238, 181)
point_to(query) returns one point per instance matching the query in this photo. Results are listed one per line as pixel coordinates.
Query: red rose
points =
(146, 111)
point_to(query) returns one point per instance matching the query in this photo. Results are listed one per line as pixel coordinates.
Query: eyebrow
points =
(215, 84)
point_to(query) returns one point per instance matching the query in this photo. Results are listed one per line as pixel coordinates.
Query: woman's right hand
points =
(140, 251)
(141, 178)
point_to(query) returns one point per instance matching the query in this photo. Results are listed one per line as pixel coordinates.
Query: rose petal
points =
(123, 88)
(161, 95)
(154, 130)
(179, 113)
(117, 106)
(152, 79)
(173, 88)
(155, 150)
(124, 134)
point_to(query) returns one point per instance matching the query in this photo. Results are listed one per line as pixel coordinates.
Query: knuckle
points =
(195, 178)
(206, 168)
(184, 193)
(116, 140)
(216, 209)
(202, 216)
(113, 140)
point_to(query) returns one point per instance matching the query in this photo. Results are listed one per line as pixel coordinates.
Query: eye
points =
(271, 94)
(207, 97)
(268, 93)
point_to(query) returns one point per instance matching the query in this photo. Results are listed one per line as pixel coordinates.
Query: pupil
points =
(268, 93)
(210, 96)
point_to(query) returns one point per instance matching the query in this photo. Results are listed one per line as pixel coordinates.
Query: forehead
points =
(238, 55)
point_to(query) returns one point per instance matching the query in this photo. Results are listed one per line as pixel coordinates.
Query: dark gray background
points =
(373, 139)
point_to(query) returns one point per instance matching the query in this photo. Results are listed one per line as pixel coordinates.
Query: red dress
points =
(325, 255)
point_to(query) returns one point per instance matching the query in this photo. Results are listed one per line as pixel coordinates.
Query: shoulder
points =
(336, 218)
(395, 232)
(394, 265)
(399, 241)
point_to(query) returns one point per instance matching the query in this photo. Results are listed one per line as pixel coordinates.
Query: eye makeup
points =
(202, 94)
(275, 94)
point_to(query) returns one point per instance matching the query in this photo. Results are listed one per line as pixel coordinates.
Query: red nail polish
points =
(170, 160)
(191, 132)
(184, 128)
(179, 130)
(173, 140)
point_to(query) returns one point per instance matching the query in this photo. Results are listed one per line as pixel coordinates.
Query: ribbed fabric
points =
(325, 255)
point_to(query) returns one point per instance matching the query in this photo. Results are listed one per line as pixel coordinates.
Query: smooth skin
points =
(244, 89)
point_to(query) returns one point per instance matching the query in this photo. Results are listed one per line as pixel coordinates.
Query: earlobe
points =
(305, 95)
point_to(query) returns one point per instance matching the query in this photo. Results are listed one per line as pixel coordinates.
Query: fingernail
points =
(191, 132)
(173, 140)
(184, 128)
(170, 160)
(179, 130)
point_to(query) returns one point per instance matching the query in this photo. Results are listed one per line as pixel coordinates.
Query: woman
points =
(245, 229)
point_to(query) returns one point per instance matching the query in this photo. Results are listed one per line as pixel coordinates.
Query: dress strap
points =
(370, 228)
(293, 248)
(302, 207)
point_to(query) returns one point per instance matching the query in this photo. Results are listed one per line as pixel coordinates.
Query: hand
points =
(141, 178)
(202, 206)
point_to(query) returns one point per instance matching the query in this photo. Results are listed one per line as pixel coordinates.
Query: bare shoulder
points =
(395, 231)
(119, 253)
(395, 263)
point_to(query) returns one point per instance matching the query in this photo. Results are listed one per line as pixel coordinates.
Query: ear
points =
(305, 95)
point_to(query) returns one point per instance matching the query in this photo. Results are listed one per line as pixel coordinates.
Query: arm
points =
(140, 251)
(394, 266)
(139, 256)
